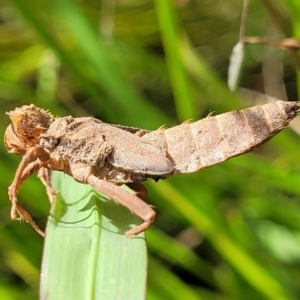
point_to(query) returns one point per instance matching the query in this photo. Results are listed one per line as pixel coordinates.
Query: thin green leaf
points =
(123, 99)
(170, 286)
(86, 254)
(253, 273)
(177, 253)
(221, 98)
(171, 40)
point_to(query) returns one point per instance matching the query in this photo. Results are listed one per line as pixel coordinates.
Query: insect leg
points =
(18, 180)
(44, 176)
(132, 202)
(16, 206)
(23, 172)
(31, 154)
(27, 217)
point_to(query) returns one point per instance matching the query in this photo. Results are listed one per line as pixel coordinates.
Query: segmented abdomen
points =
(217, 138)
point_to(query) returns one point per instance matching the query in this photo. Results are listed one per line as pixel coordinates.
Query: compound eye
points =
(12, 142)
(26, 124)
(18, 119)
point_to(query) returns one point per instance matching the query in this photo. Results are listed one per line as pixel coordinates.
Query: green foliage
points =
(86, 253)
(227, 232)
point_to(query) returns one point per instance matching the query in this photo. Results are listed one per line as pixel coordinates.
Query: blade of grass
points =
(170, 34)
(277, 176)
(217, 94)
(177, 253)
(107, 72)
(169, 284)
(100, 73)
(86, 254)
(252, 272)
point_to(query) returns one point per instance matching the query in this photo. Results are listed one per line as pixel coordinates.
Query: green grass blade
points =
(171, 40)
(177, 253)
(169, 284)
(108, 73)
(221, 98)
(100, 73)
(86, 254)
(253, 273)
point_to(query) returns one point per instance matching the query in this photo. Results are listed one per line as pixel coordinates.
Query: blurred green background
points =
(231, 231)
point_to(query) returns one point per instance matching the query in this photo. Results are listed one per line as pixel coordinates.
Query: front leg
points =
(40, 158)
(17, 209)
(132, 202)
(23, 172)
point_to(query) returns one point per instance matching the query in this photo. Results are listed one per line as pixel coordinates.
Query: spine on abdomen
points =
(217, 138)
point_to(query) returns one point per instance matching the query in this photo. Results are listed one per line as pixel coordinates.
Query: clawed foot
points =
(138, 229)
(18, 212)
